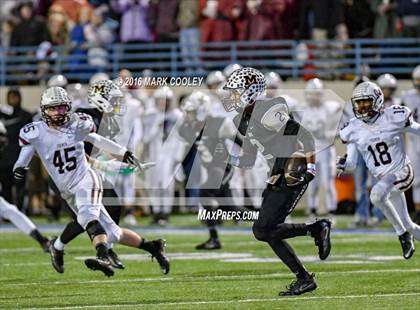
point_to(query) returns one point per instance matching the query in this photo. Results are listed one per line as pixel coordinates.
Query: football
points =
(295, 168)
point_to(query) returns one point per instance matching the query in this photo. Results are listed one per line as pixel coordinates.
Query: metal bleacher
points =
(291, 59)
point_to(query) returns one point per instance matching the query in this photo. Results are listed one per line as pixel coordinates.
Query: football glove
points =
(132, 160)
(306, 177)
(19, 173)
(341, 164)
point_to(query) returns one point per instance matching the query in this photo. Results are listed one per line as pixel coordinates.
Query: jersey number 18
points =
(382, 150)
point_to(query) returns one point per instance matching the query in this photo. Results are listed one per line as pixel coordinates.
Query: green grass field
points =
(363, 272)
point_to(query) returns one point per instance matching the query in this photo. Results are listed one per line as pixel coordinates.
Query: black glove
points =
(19, 173)
(130, 159)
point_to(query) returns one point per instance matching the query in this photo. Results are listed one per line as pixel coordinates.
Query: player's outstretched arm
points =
(24, 159)
(413, 127)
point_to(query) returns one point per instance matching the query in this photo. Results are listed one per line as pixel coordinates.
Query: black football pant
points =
(270, 227)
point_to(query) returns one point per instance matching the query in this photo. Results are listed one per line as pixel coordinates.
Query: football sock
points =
(284, 251)
(146, 245)
(101, 250)
(213, 233)
(71, 231)
(286, 230)
(37, 236)
(58, 244)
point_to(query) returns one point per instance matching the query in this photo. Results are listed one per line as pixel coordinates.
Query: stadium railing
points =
(291, 59)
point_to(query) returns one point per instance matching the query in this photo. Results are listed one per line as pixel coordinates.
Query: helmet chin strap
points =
(373, 118)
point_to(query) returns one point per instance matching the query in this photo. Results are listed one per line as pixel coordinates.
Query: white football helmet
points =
(416, 77)
(314, 91)
(244, 86)
(214, 79)
(371, 92)
(387, 81)
(57, 80)
(273, 80)
(229, 69)
(164, 98)
(53, 97)
(100, 76)
(198, 105)
(107, 97)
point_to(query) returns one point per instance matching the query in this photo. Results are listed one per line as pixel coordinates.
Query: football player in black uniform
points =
(266, 126)
(208, 135)
(105, 99)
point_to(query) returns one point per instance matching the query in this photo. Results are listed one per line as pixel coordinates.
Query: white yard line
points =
(201, 278)
(251, 300)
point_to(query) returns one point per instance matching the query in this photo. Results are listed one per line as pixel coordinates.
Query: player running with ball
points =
(265, 126)
(378, 134)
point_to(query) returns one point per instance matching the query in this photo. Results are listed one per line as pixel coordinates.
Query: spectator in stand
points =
(163, 20)
(32, 30)
(189, 34)
(385, 18)
(219, 19)
(72, 8)
(321, 19)
(409, 12)
(57, 26)
(14, 118)
(7, 27)
(98, 35)
(359, 18)
(134, 20)
(78, 39)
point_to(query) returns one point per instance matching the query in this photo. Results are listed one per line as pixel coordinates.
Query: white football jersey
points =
(411, 99)
(321, 121)
(61, 150)
(382, 143)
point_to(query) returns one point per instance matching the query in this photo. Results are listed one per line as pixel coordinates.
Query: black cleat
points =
(407, 244)
(57, 259)
(115, 260)
(158, 252)
(211, 244)
(322, 238)
(102, 264)
(300, 286)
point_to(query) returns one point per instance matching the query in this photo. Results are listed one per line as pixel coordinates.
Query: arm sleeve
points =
(307, 140)
(412, 126)
(351, 160)
(105, 144)
(25, 156)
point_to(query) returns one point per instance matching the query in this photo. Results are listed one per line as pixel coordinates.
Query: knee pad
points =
(260, 233)
(94, 229)
(377, 195)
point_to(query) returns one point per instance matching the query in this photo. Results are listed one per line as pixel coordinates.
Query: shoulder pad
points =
(397, 114)
(333, 106)
(85, 122)
(29, 133)
(275, 117)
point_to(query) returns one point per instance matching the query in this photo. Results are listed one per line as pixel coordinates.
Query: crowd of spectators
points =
(84, 24)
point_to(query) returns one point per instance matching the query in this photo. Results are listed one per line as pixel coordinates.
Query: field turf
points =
(364, 271)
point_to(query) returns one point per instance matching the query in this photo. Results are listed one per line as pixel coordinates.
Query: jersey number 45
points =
(69, 163)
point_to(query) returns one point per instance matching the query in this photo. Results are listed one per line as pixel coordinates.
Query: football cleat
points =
(115, 260)
(158, 252)
(300, 286)
(211, 244)
(322, 238)
(100, 263)
(407, 244)
(56, 257)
